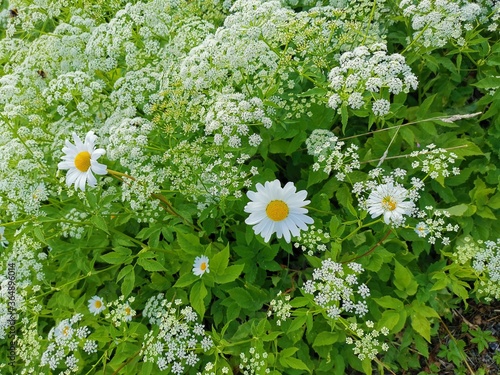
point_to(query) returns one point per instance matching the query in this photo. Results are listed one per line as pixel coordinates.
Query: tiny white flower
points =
(422, 229)
(80, 160)
(96, 305)
(200, 265)
(3, 240)
(128, 313)
(389, 200)
(277, 210)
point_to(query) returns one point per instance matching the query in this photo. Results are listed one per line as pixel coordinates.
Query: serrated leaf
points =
(389, 302)
(288, 352)
(100, 223)
(389, 319)
(196, 296)
(121, 219)
(271, 336)
(219, 262)
(344, 116)
(367, 366)
(297, 323)
(128, 283)
(488, 83)
(115, 258)
(326, 338)
(294, 363)
(494, 201)
(150, 265)
(299, 302)
(189, 243)
(231, 273)
(146, 368)
(404, 279)
(421, 325)
(243, 298)
(124, 271)
(458, 210)
(185, 280)
(316, 91)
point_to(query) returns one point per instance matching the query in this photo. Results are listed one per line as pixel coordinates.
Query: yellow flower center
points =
(127, 310)
(97, 304)
(389, 204)
(82, 161)
(277, 210)
(203, 266)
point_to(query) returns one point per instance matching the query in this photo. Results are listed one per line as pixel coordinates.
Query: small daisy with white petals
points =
(96, 305)
(277, 210)
(389, 200)
(80, 160)
(200, 265)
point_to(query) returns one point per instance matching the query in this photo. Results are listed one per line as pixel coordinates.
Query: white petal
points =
(91, 179)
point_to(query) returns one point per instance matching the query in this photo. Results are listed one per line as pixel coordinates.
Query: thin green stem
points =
(359, 228)
(371, 250)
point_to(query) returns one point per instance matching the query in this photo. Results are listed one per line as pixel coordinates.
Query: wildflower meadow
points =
(247, 187)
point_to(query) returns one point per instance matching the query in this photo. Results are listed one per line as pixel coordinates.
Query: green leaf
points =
(189, 243)
(147, 368)
(344, 116)
(315, 91)
(121, 219)
(242, 298)
(299, 302)
(100, 223)
(367, 366)
(124, 271)
(421, 325)
(150, 265)
(389, 302)
(489, 82)
(185, 280)
(404, 279)
(219, 262)
(231, 273)
(196, 296)
(297, 323)
(458, 210)
(389, 319)
(115, 258)
(326, 338)
(494, 201)
(271, 336)
(128, 283)
(294, 363)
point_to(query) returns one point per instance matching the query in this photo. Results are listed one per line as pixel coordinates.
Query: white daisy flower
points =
(389, 200)
(277, 210)
(200, 265)
(96, 305)
(81, 160)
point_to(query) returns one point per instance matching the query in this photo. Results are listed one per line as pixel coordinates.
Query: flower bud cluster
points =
(176, 336)
(64, 341)
(281, 307)
(484, 257)
(366, 343)
(366, 73)
(336, 287)
(329, 154)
